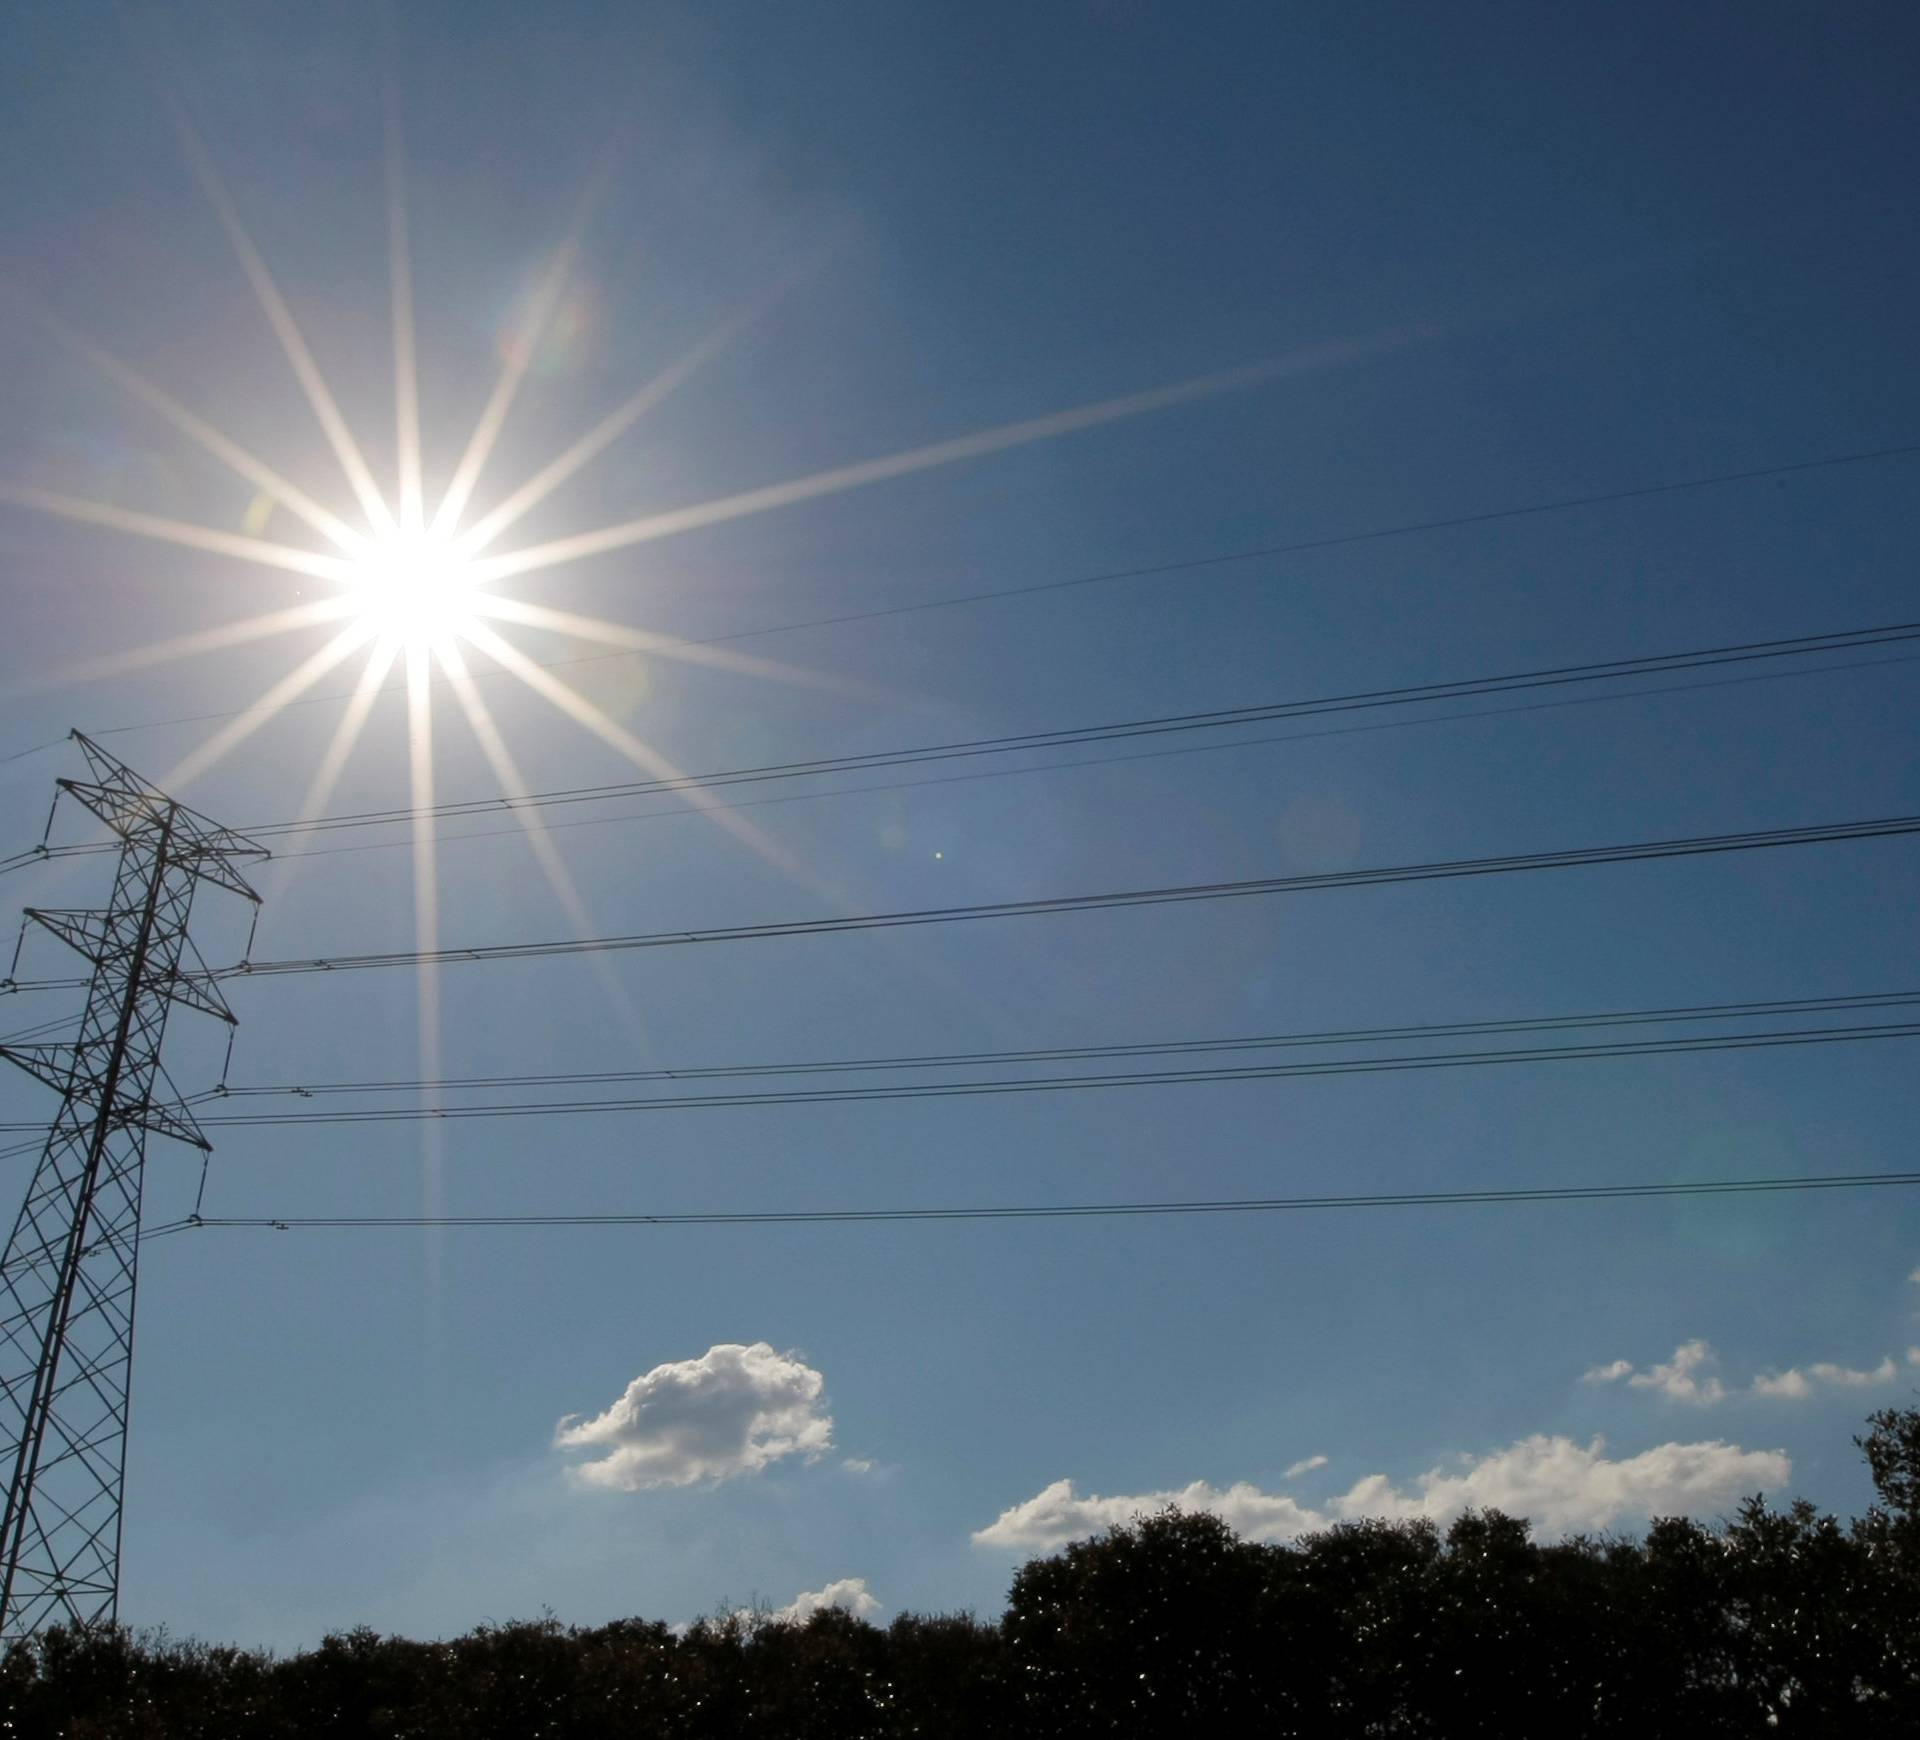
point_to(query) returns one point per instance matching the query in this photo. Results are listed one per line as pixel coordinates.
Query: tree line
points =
(1773, 1621)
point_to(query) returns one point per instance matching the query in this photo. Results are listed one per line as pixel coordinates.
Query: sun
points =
(412, 590)
(423, 585)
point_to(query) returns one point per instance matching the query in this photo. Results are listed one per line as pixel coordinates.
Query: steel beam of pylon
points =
(68, 1279)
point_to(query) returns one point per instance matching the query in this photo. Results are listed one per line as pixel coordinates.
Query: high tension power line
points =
(1487, 1197)
(683, 1078)
(1219, 719)
(1887, 827)
(67, 1278)
(1418, 1031)
(1058, 1083)
(1460, 715)
(1823, 833)
(1448, 869)
(681, 812)
(1413, 694)
(1614, 1049)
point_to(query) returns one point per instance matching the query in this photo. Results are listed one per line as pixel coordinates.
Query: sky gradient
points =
(1443, 265)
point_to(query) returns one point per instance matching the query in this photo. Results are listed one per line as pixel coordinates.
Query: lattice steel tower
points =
(67, 1279)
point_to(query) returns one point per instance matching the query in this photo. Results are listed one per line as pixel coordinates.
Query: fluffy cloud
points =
(1057, 1513)
(732, 1411)
(1557, 1484)
(1684, 1378)
(1796, 1382)
(1687, 1377)
(849, 1594)
(1562, 1486)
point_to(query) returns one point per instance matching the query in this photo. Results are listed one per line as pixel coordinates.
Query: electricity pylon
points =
(67, 1279)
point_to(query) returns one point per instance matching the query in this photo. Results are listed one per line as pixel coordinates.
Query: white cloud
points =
(1057, 1513)
(732, 1411)
(1684, 1378)
(1306, 1465)
(1561, 1486)
(849, 1594)
(1557, 1484)
(858, 1464)
(1796, 1383)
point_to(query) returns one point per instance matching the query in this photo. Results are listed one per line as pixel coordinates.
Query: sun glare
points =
(420, 587)
(414, 582)
(412, 590)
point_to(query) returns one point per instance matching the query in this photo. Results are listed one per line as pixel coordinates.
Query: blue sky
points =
(1514, 254)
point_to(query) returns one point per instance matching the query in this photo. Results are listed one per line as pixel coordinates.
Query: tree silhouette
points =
(1772, 1622)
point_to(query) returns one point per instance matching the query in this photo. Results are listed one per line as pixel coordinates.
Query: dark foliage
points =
(1775, 1622)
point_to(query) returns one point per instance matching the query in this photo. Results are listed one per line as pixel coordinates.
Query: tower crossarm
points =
(85, 932)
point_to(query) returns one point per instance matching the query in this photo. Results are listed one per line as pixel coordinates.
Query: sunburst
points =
(421, 589)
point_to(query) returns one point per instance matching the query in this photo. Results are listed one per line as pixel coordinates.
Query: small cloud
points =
(1797, 1383)
(849, 1594)
(1915, 1277)
(735, 1410)
(1057, 1514)
(1306, 1465)
(1684, 1378)
(858, 1464)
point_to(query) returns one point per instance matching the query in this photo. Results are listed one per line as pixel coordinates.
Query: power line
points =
(1464, 688)
(1828, 833)
(1109, 576)
(1059, 1083)
(1422, 1031)
(1762, 839)
(1089, 1210)
(39, 1030)
(683, 811)
(1419, 1031)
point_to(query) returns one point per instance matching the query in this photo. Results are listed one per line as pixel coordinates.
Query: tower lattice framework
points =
(68, 1276)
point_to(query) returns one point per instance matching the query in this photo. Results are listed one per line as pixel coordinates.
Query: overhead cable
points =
(1888, 827)
(946, 1090)
(1072, 736)
(1463, 688)
(1458, 716)
(1093, 1210)
(1422, 1031)
(1702, 845)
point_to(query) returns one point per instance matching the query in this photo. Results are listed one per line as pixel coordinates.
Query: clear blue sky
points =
(1524, 253)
